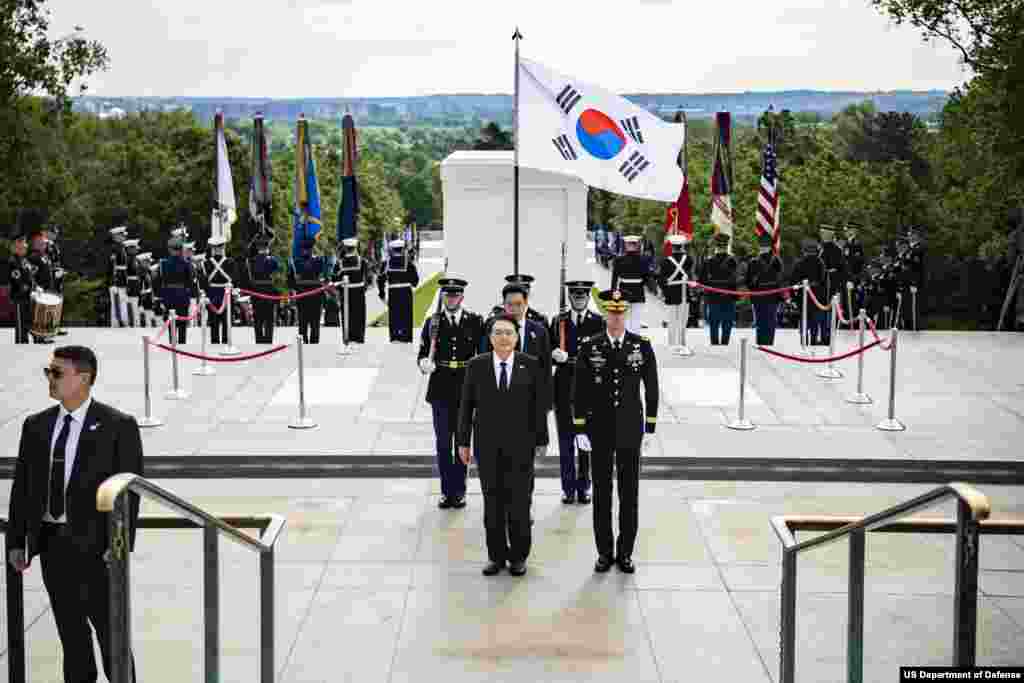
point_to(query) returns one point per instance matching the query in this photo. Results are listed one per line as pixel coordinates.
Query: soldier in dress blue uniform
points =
(720, 271)
(117, 277)
(615, 422)
(261, 267)
(353, 265)
(21, 278)
(853, 253)
(459, 334)
(630, 273)
(765, 272)
(810, 267)
(567, 332)
(398, 275)
(218, 277)
(835, 274)
(133, 282)
(143, 266)
(304, 276)
(526, 282)
(175, 280)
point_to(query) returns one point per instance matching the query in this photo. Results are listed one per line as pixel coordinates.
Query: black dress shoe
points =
(493, 568)
(568, 499)
(626, 565)
(517, 568)
(603, 564)
(583, 498)
(459, 502)
(444, 503)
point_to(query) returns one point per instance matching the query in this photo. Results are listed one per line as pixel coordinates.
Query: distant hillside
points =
(463, 109)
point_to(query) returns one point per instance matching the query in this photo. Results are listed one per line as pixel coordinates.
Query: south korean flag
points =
(568, 126)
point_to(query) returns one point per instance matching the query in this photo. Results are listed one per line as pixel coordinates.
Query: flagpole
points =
(517, 36)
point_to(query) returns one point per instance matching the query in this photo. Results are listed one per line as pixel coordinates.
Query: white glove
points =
(427, 366)
(540, 451)
(583, 442)
(559, 356)
(645, 444)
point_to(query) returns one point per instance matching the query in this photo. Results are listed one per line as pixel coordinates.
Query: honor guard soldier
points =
(835, 273)
(53, 252)
(198, 275)
(526, 282)
(444, 352)
(261, 268)
(399, 277)
(117, 277)
(143, 266)
(567, 332)
(306, 275)
(676, 269)
(765, 272)
(810, 267)
(20, 274)
(133, 284)
(913, 267)
(615, 422)
(853, 253)
(175, 279)
(218, 278)
(43, 271)
(720, 271)
(351, 264)
(629, 276)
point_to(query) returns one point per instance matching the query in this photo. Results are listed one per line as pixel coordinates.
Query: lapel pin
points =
(94, 426)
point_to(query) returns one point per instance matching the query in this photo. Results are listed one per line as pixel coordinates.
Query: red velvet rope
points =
(831, 359)
(810, 292)
(220, 359)
(286, 297)
(223, 304)
(741, 293)
(188, 318)
(874, 333)
(163, 328)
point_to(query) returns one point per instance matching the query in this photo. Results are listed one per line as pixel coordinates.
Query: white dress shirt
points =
(617, 340)
(455, 319)
(508, 368)
(70, 449)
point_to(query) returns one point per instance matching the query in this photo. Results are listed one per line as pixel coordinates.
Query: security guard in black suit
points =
(629, 276)
(765, 272)
(399, 276)
(568, 330)
(20, 274)
(260, 269)
(459, 333)
(307, 275)
(351, 264)
(174, 280)
(615, 423)
(526, 282)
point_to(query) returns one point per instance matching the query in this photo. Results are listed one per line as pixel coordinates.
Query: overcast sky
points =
(368, 48)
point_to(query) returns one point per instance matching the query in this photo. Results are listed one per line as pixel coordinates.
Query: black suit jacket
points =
(506, 426)
(538, 345)
(109, 444)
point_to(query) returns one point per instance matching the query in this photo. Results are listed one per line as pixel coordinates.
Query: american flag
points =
(768, 193)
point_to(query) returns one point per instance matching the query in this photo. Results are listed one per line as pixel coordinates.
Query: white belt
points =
(120, 267)
(675, 282)
(630, 281)
(214, 284)
(400, 284)
(357, 284)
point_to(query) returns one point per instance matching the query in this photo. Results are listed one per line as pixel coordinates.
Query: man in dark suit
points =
(614, 422)
(504, 408)
(65, 453)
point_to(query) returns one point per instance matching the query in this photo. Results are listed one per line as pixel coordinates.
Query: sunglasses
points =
(55, 373)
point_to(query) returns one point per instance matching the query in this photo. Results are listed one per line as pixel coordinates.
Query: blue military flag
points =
(307, 223)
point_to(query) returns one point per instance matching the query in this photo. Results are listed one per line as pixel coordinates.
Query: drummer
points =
(40, 260)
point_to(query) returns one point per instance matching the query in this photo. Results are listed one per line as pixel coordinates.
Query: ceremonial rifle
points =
(561, 302)
(1018, 269)
(435, 320)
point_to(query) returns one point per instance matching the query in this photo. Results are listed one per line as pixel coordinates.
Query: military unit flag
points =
(225, 211)
(307, 191)
(348, 204)
(721, 176)
(259, 183)
(572, 127)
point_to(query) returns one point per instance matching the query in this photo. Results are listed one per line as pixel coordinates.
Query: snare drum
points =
(46, 312)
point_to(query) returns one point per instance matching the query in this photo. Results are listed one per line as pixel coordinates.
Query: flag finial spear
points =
(517, 35)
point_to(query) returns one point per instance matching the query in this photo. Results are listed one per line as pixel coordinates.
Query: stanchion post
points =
(804, 332)
(176, 393)
(147, 420)
(829, 371)
(913, 302)
(204, 369)
(344, 349)
(684, 312)
(303, 421)
(741, 422)
(860, 398)
(228, 349)
(891, 424)
(849, 304)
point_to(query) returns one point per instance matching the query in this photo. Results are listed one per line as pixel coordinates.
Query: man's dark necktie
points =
(503, 380)
(57, 471)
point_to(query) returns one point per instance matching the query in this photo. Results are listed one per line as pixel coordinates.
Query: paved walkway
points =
(374, 583)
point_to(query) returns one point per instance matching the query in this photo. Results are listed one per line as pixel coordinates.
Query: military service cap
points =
(131, 244)
(613, 301)
(579, 285)
(452, 285)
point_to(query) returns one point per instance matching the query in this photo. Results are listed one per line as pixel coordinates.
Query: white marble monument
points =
(478, 232)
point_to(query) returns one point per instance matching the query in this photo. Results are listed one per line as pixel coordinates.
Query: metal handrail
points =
(972, 510)
(110, 497)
